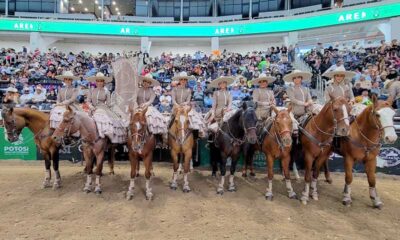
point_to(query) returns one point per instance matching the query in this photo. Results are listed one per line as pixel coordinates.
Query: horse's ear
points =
(145, 110)
(390, 101)
(244, 105)
(275, 109)
(374, 100)
(68, 107)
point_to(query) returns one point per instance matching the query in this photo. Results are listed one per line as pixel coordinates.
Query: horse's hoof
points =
(293, 196)
(87, 190)
(304, 200)
(252, 174)
(98, 191)
(129, 197)
(379, 206)
(137, 174)
(149, 196)
(46, 184)
(244, 175)
(214, 175)
(377, 203)
(232, 188)
(347, 203)
(173, 186)
(314, 196)
(220, 191)
(186, 190)
(56, 186)
(329, 180)
(269, 198)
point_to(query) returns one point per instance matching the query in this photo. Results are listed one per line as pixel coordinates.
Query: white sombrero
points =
(68, 75)
(149, 78)
(295, 73)
(12, 89)
(339, 70)
(183, 75)
(263, 77)
(99, 76)
(216, 82)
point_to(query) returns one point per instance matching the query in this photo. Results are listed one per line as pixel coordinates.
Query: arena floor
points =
(29, 212)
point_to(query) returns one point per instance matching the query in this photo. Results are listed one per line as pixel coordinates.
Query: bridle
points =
(140, 138)
(186, 133)
(278, 136)
(235, 140)
(335, 123)
(14, 133)
(67, 133)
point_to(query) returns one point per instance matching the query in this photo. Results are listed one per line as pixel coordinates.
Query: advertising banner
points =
(24, 148)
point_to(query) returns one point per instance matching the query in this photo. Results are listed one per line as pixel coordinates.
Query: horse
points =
(92, 144)
(277, 143)
(316, 139)
(363, 145)
(181, 141)
(141, 144)
(15, 119)
(228, 141)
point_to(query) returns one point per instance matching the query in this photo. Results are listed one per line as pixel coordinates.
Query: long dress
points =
(181, 96)
(263, 98)
(155, 120)
(222, 100)
(67, 96)
(109, 124)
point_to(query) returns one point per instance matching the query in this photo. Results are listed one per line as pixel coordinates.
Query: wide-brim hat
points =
(149, 78)
(295, 73)
(238, 77)
(340, 70)
(66, 74)
(183, 75)
(263, 77)
(216, 82)
(12, 89)
(99, 76)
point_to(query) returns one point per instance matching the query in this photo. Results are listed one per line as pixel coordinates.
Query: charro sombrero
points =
(149, 78)
(295, 73)
(183, 75)
(216, 82)
(66, 75)
(340, 70)
(263, 77)
(99, 76)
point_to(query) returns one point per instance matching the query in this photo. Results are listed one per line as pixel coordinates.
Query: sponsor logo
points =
(224, 30)
(23, 26)
(352, 17)
(16, 150)
(388, 157)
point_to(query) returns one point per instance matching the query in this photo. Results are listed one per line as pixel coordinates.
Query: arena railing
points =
(169, 20)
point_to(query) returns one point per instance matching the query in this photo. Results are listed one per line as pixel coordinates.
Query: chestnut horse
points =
(228, 141)
(363, 145)
(15, 119)
(181, 141)
(141, 144)
(277, 143)
(316, 139)
(92, 144)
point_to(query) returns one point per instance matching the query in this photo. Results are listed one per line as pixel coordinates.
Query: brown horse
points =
(317, 137)
(277, 143)
(180, 139)
(15, 119)
(141, 144)
(92, 144)
(363, 144)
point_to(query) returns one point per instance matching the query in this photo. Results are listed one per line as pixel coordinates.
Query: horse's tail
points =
(296, 154)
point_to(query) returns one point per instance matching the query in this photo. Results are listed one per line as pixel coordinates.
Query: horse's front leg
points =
(286, 172)
(235, 158)
(47, 164)
(322, 158)
(186, 169)
(99, 152)
(134, 161)
(370, 167)
(88, 156)
(55, 157)
(222, 167)
(111, 158)
(174, 156)
(147, 160)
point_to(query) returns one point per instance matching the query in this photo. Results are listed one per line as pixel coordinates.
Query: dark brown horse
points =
(363, 145)
(141, 144)
(228, 142)
(316, 140)
(277, 144)
(15, 119)
(92, 144)
(180, 139)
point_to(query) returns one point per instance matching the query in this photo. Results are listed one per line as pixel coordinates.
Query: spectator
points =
(38, 96)
(357, 89)
(26, 97)
(166, 100)
(198, 91)
(364, 84)
(208, 100)
(375, 89)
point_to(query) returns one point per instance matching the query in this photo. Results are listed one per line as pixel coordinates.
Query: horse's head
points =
(68, 126)
(340, 109)
(283, 125)
(12, 124)
(248, 120)
(181, 122)
(138, 129)
(382, 117)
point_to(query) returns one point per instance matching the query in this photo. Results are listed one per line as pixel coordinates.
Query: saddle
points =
(303, 120)
(262, 128)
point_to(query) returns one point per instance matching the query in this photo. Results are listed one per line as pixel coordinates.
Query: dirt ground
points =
(29, 212)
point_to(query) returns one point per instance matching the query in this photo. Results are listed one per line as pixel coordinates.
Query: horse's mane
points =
(235, 116)
(30, 113)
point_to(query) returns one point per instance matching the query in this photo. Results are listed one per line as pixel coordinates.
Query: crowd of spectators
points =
(32, 74)
(376, 67)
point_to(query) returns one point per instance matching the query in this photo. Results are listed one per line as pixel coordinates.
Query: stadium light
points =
(99, 7)
(80, 1)
(72, 9)
(97, 2)
(86, 9)
(116, 9)
(119, 13)
(113, 3)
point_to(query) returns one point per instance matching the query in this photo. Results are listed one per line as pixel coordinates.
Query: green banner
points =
(24, 148)
(324, 19)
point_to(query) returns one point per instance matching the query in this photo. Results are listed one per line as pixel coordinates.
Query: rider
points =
(300, 97)
(108, 123)
(66, 96)
(222, 99)
(145, 98)
(263, 97)
(339, 87)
